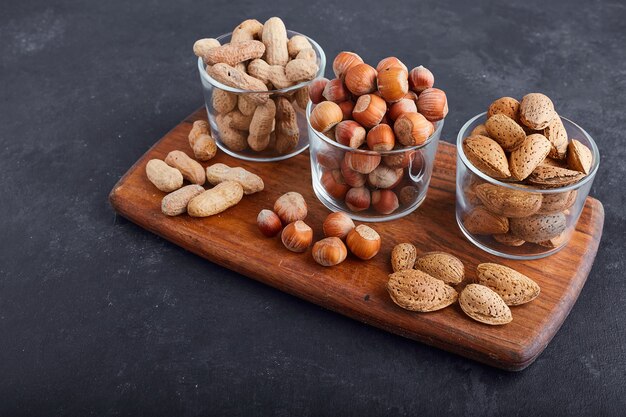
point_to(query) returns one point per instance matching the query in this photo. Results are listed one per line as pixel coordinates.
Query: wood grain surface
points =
(357, 288)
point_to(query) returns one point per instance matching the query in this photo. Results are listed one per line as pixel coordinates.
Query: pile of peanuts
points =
(260, 58)
(375, 109)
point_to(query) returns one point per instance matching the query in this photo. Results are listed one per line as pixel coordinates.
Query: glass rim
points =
(589, 177)
(431, 138)
(320, 72)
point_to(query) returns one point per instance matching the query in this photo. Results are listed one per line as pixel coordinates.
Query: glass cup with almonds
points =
(521, 189)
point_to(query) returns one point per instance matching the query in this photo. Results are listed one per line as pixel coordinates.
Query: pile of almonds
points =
(523, 143)
(230, 184)
(290, 210)
(374, 109)
(260, 57)
(427, 283)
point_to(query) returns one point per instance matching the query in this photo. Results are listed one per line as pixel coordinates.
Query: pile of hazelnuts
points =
(387, 108)
(287, 219)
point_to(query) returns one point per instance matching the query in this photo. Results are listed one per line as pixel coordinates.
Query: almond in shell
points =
(555, 242)
(536, 111)
(508, 239)
(508, 202)
(557, 135)
(484, 305)
(481, 221)
(505, 131)
(443, 266)
(538, 227)
(480, 130)
(486, 155)
(505, 105)
(417, 291)
(403, 257)
(556, 202)
(514, 288)
(528, 156)
(546, 176)
(579, 157)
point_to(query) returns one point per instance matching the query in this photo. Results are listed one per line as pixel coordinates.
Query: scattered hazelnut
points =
(337, 224)
(297, 236)
(329, 251)
(290, 207)
(364, 242)
(269, 223)
(358, 199)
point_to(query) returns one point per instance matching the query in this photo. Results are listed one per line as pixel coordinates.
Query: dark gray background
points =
(98, 316)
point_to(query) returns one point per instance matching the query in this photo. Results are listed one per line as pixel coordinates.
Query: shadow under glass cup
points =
(270, 154)
(385, 177)
(555, 220)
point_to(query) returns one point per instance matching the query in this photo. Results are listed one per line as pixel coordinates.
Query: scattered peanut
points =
(163, 176)
(218, 173)
(215, 200)
(175, 203)
(192, 171)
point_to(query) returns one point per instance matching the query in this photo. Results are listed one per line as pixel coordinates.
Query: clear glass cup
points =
(399, 176)
(210, 86)
(555, 220)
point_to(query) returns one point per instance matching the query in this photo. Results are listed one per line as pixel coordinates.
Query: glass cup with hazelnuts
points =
(373, 135)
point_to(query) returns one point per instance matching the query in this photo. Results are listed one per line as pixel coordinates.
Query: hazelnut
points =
(393, 84)
(358, 199)
(362, 162)
(329, 158)
(316, 88)
(363, 241)
(408, 195)
(347, 107)
(351, 177)
(391, 62)
(290, 207)
(433, 104)
(369, 110)
(404, 105)
(384, 201)
(412, 129)
(269, 223)
(399, 159)
(385, 177)
(336, 91)
(329, 251)
(330, 134)
(325, 115)
(361, 79)
(350, 133)
(297, 236)
(337, 224)
(344, 61)
(334, 184)
(381, 138)
(420, 78)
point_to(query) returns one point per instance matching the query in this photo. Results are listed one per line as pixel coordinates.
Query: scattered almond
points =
(403, 257)
(514, 288)
(443, 266)
(484, 305)
(417, 291)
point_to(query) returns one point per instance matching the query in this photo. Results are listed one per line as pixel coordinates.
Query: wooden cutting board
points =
(357, 288)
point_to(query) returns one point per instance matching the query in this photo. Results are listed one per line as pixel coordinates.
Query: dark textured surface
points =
(100, 317)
